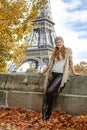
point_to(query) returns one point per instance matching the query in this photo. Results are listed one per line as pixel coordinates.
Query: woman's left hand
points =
(76, 74)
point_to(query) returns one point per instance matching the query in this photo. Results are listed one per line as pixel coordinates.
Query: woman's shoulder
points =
(68, 49)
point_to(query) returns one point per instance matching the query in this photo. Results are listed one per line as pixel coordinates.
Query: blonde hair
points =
(57, 51)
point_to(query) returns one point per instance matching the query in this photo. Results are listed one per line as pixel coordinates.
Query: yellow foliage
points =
(16, 18)
(81, 68)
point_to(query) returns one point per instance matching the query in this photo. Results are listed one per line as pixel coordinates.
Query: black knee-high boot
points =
(47, 106)
(46, 111)
(44, 108)
(50, 101)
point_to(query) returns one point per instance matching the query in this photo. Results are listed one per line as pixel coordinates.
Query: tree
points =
(16, 18)
(81, 67)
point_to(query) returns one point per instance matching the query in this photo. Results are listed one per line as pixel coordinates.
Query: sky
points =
(70, 18)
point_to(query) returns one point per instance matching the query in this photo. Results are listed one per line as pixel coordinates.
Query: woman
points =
(57, 74)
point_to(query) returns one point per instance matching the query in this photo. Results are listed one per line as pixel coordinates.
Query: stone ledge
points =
(21, 81)
(72, 104)
(26, 90)
(34, 82)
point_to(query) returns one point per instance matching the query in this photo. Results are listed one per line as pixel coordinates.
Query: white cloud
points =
(74, 4)
(72, 38)
(78, 15)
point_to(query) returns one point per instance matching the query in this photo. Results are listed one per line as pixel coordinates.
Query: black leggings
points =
(53, 85)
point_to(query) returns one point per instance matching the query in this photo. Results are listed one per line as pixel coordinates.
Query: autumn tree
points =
(81, 67)
(16, 18)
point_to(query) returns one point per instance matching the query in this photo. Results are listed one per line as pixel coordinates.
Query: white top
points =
(58, 66)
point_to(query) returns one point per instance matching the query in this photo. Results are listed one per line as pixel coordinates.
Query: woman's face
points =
(59, 44)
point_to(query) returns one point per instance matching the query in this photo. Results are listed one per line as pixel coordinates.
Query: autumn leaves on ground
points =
(21, 119)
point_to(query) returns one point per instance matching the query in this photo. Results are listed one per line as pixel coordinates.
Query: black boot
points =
(49, 109)
(44, 115)
(44, 108)
(48, 114)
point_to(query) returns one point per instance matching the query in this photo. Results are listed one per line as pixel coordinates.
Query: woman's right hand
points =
(40, 73)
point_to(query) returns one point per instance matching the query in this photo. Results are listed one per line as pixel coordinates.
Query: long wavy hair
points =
(57, 52)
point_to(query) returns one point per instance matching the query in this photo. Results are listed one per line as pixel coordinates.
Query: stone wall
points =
(26, 90)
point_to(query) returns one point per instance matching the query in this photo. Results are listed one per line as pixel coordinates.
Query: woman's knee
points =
(49, 91)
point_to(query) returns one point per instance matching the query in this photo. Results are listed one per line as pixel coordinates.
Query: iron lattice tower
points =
(42, 39)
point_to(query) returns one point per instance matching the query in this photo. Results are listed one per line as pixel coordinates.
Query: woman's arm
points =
(73, 70)
(44, 71)
(47, 68)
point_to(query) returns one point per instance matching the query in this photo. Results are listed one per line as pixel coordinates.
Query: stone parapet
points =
(21, 81)
(26, 90)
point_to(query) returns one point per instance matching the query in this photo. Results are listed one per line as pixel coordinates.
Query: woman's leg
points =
(47, 106)
(54, 83)
(51, 90)
(46, 100)
(44, 108)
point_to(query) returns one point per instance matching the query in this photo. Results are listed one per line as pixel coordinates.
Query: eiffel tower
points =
(42, 39)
